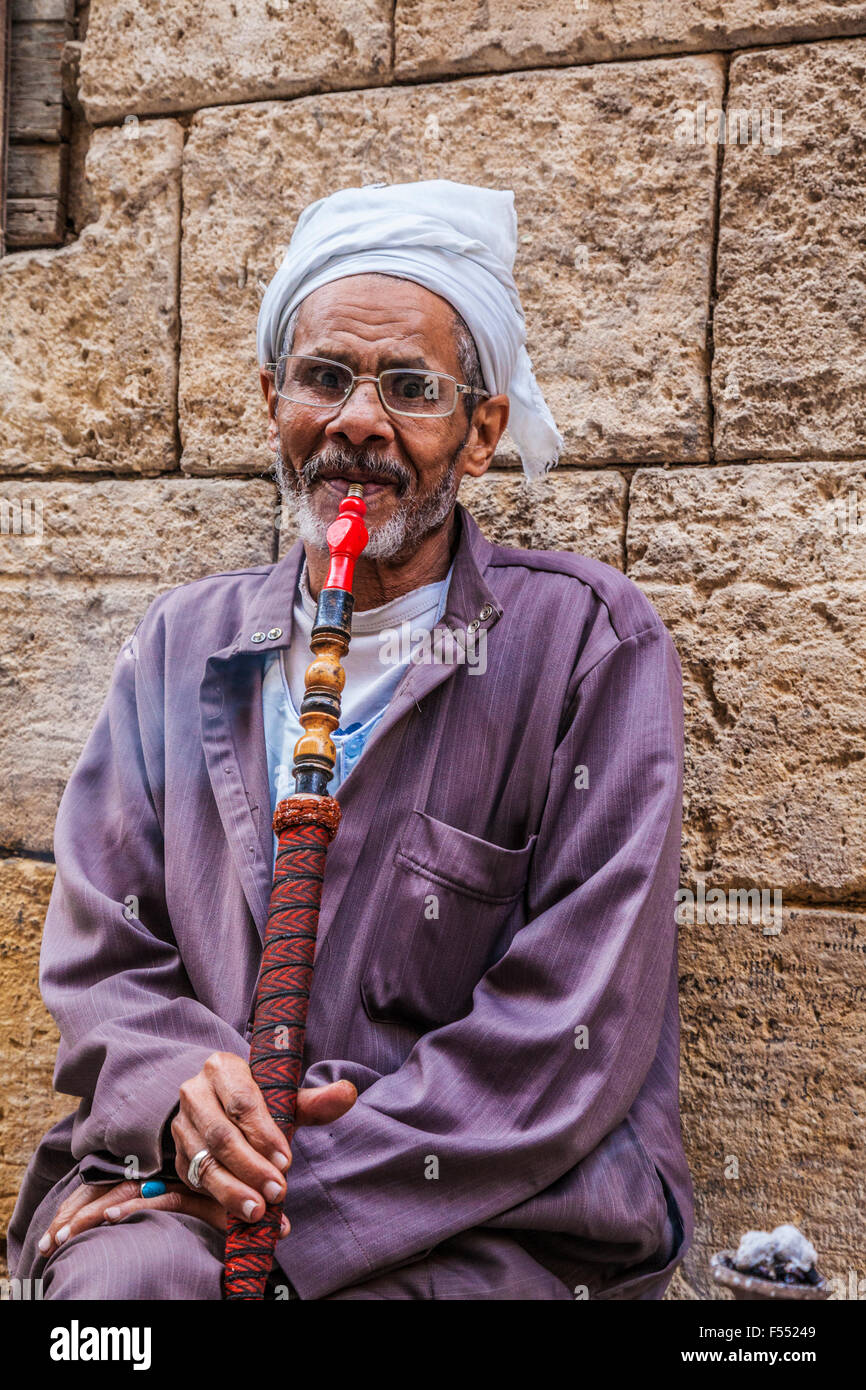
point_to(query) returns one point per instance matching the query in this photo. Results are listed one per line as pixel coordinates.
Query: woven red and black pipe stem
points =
(304, 824)
(277, 1045)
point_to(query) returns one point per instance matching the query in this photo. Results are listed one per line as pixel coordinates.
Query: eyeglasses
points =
(321, 384)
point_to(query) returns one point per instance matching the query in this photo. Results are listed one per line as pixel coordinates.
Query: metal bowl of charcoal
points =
(778, 1264)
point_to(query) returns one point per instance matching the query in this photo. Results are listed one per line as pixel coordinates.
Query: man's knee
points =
(151, 1255)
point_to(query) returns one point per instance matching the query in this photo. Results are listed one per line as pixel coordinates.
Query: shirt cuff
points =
(107, 1167)
(139, 1126)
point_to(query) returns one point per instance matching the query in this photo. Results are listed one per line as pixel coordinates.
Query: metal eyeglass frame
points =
(462, 388)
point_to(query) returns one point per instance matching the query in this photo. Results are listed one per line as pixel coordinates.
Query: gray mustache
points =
(367, 463)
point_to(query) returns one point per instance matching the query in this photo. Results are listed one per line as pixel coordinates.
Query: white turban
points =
(454, 238)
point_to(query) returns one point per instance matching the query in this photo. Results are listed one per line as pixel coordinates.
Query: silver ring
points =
(193, 1172)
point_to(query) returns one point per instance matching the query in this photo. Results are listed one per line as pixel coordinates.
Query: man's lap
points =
(165, 1256)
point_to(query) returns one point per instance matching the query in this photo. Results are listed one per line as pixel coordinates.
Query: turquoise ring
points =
(153, 1188)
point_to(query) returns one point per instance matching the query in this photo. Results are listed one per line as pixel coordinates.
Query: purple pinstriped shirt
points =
(496, 969)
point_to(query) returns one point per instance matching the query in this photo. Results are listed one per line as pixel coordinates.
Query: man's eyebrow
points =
(391, 359)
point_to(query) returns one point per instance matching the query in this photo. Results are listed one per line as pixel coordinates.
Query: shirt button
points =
(274, 633)
(473, 626)
(486, 612)
(257, 637)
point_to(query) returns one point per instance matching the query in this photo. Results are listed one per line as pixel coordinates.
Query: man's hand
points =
(93, 1204)
(223, 1110)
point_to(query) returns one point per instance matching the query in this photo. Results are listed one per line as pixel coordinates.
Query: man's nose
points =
(362, 416)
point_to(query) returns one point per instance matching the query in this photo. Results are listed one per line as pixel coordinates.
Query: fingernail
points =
(45, 1243)
(280, 1161)
(248, 1208)
(62, 1234)
(273, 1191)
(284, 1227)
(112, 1213)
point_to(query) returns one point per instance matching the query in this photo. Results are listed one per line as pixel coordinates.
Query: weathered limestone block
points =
(444, 36)
(75, 580)
(760, 574)
(789, 373)
(615, 228)
(773, 1081)
(88, 332)
(566, 510)
(142, 56)
(678, 1290)
(79, 199)
(28, 1036)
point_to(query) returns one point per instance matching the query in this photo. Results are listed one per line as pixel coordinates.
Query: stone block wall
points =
(690, 184)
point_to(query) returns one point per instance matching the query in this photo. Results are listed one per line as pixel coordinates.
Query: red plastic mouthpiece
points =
(346, 538)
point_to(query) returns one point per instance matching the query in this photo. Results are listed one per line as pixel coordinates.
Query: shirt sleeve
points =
(502, 1098)
(131, 1031)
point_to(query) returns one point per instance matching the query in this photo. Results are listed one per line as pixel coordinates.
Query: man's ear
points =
(273, 400)
(488, 424)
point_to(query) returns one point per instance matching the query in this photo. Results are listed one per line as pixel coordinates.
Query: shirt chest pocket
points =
(445, 901)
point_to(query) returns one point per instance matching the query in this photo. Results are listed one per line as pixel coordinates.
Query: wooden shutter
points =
(5, 51)
(39, 123)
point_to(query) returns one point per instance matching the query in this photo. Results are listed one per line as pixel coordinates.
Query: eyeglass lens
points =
(314, 382)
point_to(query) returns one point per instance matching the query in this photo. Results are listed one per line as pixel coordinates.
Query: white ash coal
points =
(783, 1255)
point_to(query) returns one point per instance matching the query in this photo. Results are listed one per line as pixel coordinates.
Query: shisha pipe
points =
(305, 824)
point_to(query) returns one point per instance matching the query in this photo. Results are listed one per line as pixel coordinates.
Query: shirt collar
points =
(470, 601)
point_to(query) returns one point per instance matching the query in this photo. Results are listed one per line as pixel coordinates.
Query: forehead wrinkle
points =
(385, 358)
(372, 325)
(411, 350)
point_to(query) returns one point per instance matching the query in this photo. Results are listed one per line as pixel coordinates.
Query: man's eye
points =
(415, 386)
(325, 376)
(324, 380)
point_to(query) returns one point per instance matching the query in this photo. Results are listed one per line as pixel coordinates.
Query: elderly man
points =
(490, 1108)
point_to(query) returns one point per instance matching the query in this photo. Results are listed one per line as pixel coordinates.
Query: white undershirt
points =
(372, 676)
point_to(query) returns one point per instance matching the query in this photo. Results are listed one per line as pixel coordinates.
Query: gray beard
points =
(405, 528)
